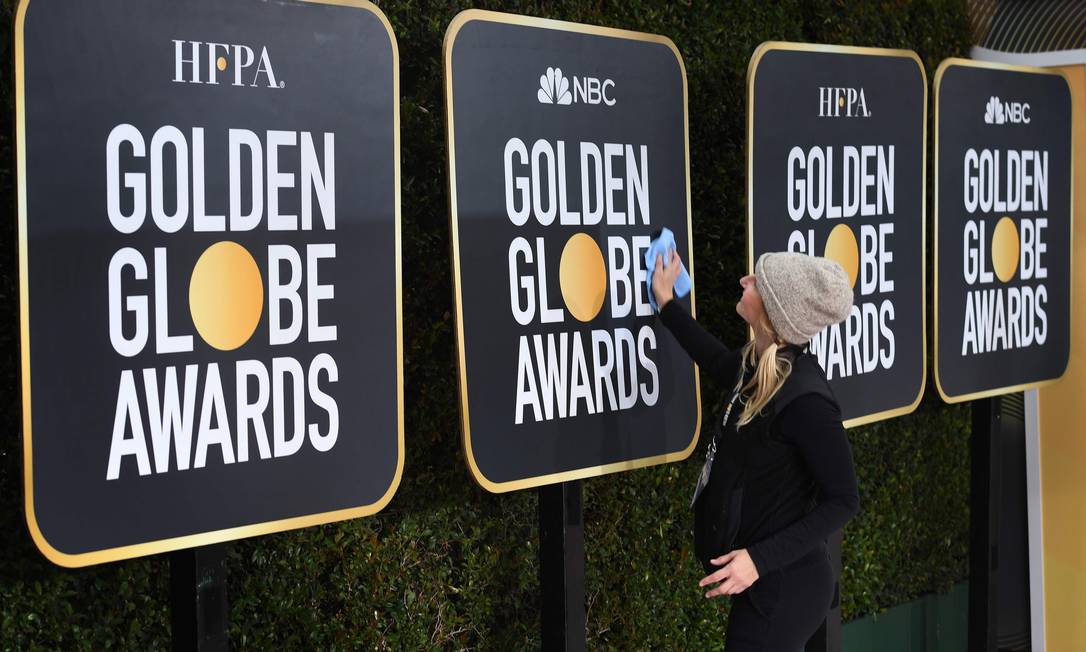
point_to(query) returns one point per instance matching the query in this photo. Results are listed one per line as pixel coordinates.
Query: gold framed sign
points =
(568, 151)
(836, 140)
(1003, 200)
(204, 357)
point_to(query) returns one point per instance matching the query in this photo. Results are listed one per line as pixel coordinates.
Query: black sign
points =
(567, 152)
(209, 267)
(1002, 228)
(836, 169)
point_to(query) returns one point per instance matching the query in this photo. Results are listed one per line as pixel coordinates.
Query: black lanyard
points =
(710, 453)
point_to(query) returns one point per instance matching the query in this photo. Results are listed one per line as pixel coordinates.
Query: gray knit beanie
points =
(802, 294)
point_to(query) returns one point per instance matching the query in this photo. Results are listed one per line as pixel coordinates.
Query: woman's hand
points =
(736, 574)
(663, 278)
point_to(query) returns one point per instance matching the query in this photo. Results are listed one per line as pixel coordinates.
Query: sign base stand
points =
(561, 566)
(198, 605)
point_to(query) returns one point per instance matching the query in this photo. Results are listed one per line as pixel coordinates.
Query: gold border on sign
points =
(217, 536)
(454, 28)
(940, 71)
(752, 71)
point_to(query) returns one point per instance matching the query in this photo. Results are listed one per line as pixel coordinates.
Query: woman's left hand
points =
(736, 574)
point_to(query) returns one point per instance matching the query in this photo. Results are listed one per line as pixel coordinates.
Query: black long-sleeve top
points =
(796, 493)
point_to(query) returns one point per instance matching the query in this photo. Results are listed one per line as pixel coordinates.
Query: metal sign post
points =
(198, 603)
(984, 501)
(561, 566)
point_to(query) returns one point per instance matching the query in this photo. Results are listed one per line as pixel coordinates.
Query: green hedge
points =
(447, 565)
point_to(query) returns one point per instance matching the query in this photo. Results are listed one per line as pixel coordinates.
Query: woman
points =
(783, 479)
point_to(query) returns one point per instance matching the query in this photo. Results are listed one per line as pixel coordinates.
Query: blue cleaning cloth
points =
(662, 246)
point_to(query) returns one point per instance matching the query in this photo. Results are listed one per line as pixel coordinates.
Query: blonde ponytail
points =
(771, 369)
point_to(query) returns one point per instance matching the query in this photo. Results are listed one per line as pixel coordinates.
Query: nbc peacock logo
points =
(555, 88)
(993, 112)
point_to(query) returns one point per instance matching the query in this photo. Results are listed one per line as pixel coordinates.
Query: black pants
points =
(782, 610)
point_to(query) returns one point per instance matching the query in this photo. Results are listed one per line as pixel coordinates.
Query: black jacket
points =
(784, 482)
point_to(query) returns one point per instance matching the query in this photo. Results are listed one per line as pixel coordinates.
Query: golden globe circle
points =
(582, 276)
(226, 295)
(1005, 249)
(841, 247)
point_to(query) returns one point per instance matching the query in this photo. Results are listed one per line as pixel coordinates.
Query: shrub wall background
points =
(447, 565)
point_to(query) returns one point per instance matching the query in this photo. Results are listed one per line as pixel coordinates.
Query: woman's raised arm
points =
(709, 353)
